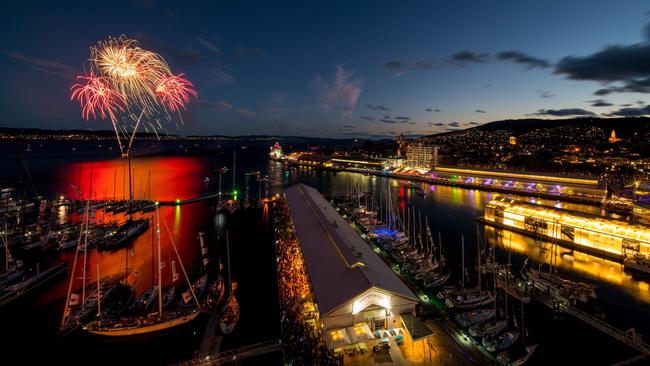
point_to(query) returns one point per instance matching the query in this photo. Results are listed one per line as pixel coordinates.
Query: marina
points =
(314, 184)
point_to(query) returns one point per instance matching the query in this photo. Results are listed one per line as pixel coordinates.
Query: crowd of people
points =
(302, 342)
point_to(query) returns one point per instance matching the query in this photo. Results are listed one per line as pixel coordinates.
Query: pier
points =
(237, 354)
(629, 337)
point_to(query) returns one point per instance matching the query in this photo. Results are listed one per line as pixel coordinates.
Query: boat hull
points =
(145, 330)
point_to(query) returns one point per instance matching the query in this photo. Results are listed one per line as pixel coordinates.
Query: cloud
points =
(625, 105)
(564, 112)
(453, 124)
(473, 123)
(464, 57)
(44, 65)
(625, 66)
(222, 74)
(438, 124)
(641, 85)
(433, 110)
(631, 112)
(377, 107)
(479, 111)
(218, 105)
(367, 118)
(614, 63)
(398, 67)
(486, 85)
(209, 45)
(344, 90)
(386, 120)
(399, 119)
(524, 59)
(545, 94)
(246, 112)
(600, 103)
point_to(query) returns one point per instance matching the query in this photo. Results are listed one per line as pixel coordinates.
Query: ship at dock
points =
(605, 237)
(275, 152)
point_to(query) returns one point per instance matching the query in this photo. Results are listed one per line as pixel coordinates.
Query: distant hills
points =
(624, 126)
(17, 134)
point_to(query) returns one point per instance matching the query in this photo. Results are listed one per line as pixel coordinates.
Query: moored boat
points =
(470, 318)
(501, 341)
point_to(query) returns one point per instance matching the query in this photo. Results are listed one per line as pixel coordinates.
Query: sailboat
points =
(229, 314)
(441, 274)
(493, 326)
(150, 323)
(501, 341)
(468, 298)
(512, 285)
(557, 285)
(13, 269)
(81, 307)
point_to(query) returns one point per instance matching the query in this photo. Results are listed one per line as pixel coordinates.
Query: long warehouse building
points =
(350, 282)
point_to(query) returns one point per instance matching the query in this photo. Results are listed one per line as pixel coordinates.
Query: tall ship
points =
(275, 152)
(167, 314)
(229, 313)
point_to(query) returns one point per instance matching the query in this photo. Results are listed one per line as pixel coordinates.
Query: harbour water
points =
(173, 170)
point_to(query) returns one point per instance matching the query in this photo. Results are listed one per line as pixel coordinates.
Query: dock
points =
(628, 337)
(232, 356)
(211, 343)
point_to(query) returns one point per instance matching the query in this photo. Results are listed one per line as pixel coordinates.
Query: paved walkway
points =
(439, 349)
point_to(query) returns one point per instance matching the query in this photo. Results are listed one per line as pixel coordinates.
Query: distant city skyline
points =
(339, 69)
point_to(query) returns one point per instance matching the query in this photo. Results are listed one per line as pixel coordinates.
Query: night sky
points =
(341, 69)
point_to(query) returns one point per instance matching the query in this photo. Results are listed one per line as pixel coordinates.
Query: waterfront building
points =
(315, 160)
(436, 152)
(352, 287)
(393, 163)
(420, 156)
(357, 162)
(597, 234)
(518, 175)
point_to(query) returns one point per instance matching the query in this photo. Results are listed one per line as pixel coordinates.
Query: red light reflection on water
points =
(171, 178)
(157, 178)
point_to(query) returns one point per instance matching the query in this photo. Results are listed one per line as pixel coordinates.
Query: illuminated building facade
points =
(420, 156)
(605, 236)
(613, 138)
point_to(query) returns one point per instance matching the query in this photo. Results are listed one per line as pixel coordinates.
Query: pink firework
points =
(175, 91)
(97, 97)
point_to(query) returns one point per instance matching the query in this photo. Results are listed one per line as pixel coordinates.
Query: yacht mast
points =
(462, 256)
(99, 298)
(234, 170)
(74, 267)
(160, 302)
(228, 257)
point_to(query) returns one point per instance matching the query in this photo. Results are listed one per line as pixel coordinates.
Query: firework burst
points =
(174, 92)
(125, 81)
(96, 96)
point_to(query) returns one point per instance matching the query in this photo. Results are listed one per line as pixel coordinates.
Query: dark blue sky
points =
(341, 68)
